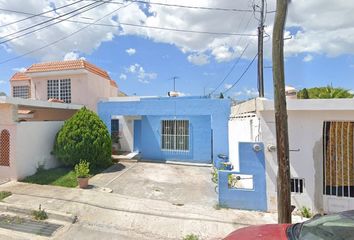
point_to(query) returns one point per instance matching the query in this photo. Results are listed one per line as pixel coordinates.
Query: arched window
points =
(5, 148)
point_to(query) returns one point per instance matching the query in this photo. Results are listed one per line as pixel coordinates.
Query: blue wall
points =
(251, 163)
(137, 136)
(205, 114)
(200, 139)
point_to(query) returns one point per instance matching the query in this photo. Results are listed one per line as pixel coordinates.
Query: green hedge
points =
(83, 136)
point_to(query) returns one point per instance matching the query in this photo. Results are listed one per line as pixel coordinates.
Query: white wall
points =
(306, 160)
(241, 130)
(126, 132)
(34, 144)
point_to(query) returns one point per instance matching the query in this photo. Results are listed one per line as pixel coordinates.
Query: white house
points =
(321, 149)
(27, 133)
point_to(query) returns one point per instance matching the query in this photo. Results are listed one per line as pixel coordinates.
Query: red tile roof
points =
(113, 83)
(19, 76)
(67, 65)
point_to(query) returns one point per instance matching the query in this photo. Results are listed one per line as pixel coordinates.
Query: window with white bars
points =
(59, 89)
(297, 185)
(175, 135)
(21, 91)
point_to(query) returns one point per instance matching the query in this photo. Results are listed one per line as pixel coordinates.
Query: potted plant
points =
(82, 171)
(115, 142)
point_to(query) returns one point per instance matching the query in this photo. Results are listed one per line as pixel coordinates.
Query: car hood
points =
(264, 232)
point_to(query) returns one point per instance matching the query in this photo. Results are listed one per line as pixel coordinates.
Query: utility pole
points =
(260, 51)
(174, 82)
(281, 117)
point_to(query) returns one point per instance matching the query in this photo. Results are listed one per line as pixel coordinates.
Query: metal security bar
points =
(59, 89)
(297, 185)
(338, 159)
(175, 135)
(21, 91)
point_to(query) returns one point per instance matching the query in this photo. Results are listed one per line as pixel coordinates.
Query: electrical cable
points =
(46, 26)
(244, 72)
(39, 14)
(61, 39)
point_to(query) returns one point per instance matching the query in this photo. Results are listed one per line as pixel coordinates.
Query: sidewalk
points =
(106, 214)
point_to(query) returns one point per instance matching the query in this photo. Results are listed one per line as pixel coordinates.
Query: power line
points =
(46, 26)
(236, 61)
(181, 6)
(244, 72)
(231, 69)
(143, 26)
(63, 38)
(39, 14)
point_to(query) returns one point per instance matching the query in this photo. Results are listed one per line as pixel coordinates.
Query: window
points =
(297, 185)
(175, 135)
(4, 148)
(59, 89)
(21, 91)
(338, 159)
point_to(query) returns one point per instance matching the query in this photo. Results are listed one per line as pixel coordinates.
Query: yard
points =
(61, 176)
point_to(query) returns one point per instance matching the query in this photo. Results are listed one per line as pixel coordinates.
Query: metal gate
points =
(338, 167)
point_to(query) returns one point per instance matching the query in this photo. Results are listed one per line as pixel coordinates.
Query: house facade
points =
(73, 81)
(321, 149)
(27, 133)
(185, 129)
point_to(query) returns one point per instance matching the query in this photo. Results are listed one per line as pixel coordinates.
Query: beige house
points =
(73, 81)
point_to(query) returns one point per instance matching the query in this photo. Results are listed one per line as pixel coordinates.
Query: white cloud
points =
(198, 58)
(222, 53)
(72, 56)
(317, 27)
(246, 92)
(131, 51)
(2, 81)
(21, 69)
(140, 73)
(123, 76)
(227, 86)
(307, 58)
(182, 94)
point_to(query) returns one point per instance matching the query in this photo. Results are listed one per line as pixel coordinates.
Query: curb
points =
(65, 217)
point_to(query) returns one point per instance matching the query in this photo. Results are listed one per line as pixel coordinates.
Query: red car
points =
(338, 226)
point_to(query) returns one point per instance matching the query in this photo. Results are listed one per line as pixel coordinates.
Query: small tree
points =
(324, 93)
(304, 94)
(83, 136)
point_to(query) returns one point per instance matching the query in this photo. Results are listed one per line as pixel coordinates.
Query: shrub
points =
(4, 194)
(39, 214)
(82, 169)
(83, 136)
(306, 212)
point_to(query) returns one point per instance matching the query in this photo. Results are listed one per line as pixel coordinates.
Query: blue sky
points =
(154, 59)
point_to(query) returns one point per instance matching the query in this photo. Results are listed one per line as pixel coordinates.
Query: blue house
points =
(184, 129)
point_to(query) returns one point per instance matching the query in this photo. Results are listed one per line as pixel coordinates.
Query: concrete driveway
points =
(176, 184)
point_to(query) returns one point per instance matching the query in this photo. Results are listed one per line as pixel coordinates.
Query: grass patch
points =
(64, 177)
(61, 176)
(4, 194)
(191, 237)
(220, 206)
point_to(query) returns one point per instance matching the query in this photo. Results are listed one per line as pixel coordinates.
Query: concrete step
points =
(133, 156)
